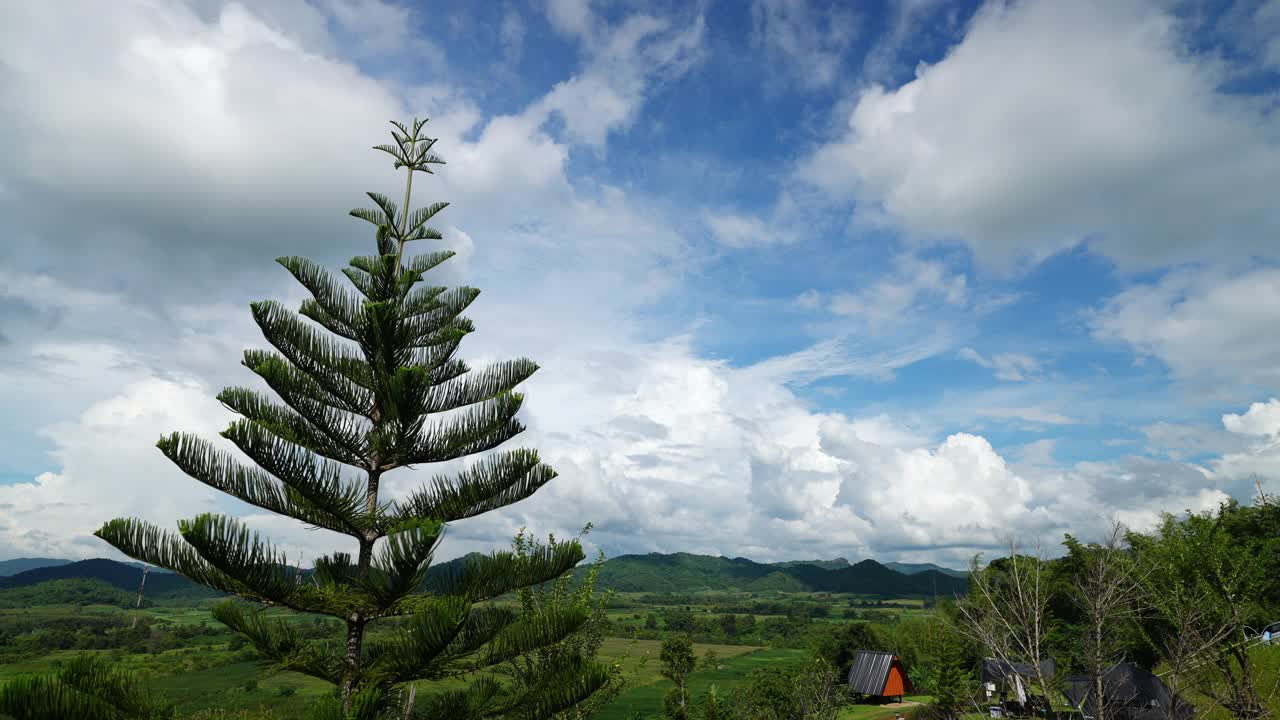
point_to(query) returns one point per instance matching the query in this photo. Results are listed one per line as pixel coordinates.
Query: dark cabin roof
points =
(1126, 684)
(994, 670)
(869, 671)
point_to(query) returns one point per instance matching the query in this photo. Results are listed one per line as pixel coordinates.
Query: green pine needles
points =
(360, 387)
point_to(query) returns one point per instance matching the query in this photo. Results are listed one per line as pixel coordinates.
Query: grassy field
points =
(647, 697)
(875, 712)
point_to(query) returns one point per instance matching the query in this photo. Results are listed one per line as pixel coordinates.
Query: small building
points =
(879, 674)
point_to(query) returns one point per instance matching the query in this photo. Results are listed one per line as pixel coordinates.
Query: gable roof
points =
(870, 671)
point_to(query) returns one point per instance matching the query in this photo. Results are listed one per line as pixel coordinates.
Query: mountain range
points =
(654, 572)
(685, 572)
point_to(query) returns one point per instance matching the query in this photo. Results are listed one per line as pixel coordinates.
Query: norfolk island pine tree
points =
(359, 387)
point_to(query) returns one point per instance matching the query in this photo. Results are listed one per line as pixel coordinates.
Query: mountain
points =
(685, 572)
(125, 576)
(824, 564)
(913, 568)
(17, 565)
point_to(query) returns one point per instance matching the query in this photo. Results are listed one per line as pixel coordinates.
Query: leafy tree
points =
(359, 387)
(1206, 586)
(677, 661)
(837, 644)
(951, 680)
(566, 592)
(87, 688)
(713, 706)
(805, 692)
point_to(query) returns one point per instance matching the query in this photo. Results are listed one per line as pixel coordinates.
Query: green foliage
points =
(677, 662)
(713, 706)
(584, 644)
(837, 646)
(807, 691)
(950, 682)
(370, 385)
(685, 572)
(1209, 578)
(70, 591)
(85, 687)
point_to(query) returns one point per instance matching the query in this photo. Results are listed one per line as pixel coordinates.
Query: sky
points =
(901, 279)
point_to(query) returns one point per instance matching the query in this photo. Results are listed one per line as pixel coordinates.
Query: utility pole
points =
(138, 606)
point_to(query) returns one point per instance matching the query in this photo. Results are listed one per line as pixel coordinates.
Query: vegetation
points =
(685, 573)
(756, 649)
(359, 389)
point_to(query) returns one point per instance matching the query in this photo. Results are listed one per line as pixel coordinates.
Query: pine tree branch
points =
(478, 387)
(318, 482)
(201, 461)
(494, 482)
(279, 641)
(339, 307)
(477, 429)
(484, 577)
(402, 565)
(329, 364)
(296, 387)
(332, 440)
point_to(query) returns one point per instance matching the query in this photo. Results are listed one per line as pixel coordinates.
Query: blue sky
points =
(902, 279)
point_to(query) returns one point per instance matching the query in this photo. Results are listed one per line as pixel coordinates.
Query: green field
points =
(649, 689)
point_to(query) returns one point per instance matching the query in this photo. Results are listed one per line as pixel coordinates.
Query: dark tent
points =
(878, 673)
(994, 670)
(1129, 692)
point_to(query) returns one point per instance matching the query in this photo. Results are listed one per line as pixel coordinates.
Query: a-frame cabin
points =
(879, 674)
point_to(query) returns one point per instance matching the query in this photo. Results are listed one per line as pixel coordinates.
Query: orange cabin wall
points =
(896, 684)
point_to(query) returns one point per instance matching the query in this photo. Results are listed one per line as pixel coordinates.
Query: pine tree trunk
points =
(355, 625)
(355, 639)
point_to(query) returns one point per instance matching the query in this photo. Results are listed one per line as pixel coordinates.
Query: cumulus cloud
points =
(1205, 326)
(662, 448)
(1260, 420)
(1056, 123)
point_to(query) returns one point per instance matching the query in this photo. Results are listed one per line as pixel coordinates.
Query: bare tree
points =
(1007, 609)
(1106, 588)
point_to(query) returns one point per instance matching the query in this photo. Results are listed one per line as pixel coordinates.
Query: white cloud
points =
(621, 66)
(512, 33)
(808, 42)
(1056, 122)
(1013, 367)
(1260, 420)
(1205, 326)
(571, 17)
(1033, 414)
(740, 231)
(809, 299)
(891, 298)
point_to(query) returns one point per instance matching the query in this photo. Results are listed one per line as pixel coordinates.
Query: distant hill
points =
(124, 576)
(913, 568)
(824, 564)
(161, 584)
(17, 565)
(685, 572)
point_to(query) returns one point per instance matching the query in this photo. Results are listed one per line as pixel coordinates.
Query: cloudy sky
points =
(895, 279)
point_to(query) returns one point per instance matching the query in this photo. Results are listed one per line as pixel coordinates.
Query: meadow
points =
(206, 671)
